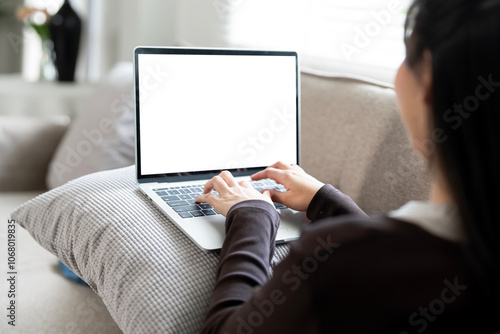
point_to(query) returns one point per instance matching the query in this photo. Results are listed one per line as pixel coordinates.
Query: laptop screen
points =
(202, 111)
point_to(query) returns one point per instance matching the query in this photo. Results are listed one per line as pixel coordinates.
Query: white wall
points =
(203, 22)
(146, 23)
(120, 26)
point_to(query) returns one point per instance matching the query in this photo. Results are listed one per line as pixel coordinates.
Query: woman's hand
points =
(230, 193)
(300, 186)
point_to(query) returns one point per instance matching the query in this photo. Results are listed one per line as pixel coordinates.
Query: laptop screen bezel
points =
(202, 175)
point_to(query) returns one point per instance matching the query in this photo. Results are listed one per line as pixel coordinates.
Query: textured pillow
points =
(151, 277)
(27, 145)
(102, 135)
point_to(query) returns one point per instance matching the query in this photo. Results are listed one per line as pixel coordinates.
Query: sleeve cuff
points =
(329, 202)
(256, 218)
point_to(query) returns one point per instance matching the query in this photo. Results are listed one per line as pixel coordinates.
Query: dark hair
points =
(463, 37)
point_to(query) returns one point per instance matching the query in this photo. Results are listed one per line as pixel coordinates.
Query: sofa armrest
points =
(27, 145)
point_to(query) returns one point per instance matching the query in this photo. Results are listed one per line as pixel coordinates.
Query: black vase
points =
(65, 30)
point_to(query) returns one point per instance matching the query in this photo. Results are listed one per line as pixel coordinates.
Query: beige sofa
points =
(352, 137)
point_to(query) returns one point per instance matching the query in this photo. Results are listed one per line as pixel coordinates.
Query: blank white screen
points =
(212, 112)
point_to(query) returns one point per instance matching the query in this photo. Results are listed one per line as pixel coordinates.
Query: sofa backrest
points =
(353, 138)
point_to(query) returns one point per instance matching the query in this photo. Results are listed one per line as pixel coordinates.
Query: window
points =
(354, 38)
(350, 38)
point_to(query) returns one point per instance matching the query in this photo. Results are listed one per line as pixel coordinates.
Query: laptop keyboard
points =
(182, 199)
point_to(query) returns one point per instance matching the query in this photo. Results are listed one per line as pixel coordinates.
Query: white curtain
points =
(354, 38)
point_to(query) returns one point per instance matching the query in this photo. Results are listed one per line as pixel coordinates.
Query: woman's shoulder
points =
(382, 247)
(378, 266)
(352, 229)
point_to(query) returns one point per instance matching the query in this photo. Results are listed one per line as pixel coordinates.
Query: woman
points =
(429, 267)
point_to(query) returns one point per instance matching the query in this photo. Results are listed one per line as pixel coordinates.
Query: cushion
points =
(150, 276)
(46, 302)
(21, 166)
(102, 135)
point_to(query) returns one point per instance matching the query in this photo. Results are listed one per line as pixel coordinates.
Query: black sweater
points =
(346, 274)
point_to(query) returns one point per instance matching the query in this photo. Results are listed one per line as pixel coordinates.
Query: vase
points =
(47, 68)
(65, 30)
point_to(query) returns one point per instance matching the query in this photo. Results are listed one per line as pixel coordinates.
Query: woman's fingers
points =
(286, 166)
(207, 198)
(222, 183)
(245, 184)
(276, 171)
(276, 195)
(228, 177)
(300, 187)
(275, 174)
(283, 165)
(216, 183)
(230, 193)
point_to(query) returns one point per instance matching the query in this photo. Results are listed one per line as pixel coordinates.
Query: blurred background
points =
(68, 64)
(356, 39)
(335, 37)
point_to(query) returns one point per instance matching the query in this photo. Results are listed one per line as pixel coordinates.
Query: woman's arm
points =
(244, 260)
(244, 301)
(296, 298)
(330, 202)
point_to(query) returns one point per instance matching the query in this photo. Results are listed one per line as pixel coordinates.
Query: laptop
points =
(201, 111)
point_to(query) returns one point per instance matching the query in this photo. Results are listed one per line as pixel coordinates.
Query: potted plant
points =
(38, 20)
